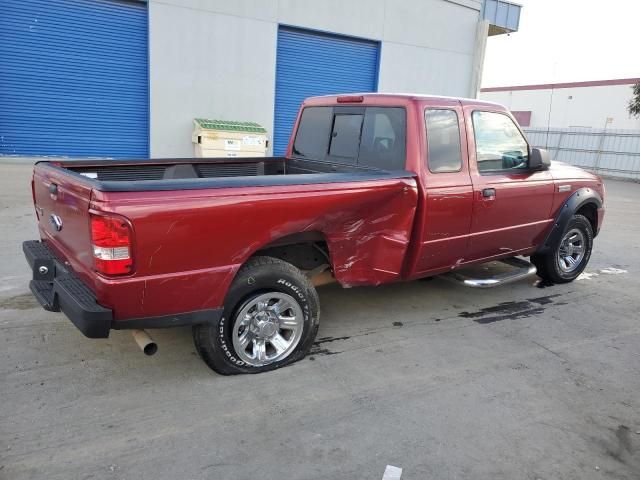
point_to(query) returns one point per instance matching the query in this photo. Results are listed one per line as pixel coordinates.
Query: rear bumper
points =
(58, 289)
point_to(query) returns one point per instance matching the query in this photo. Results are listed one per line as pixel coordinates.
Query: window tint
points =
(312, 137)
(383, 141)
(345, 137)
(443, 141)
(370, 136)
(499, 143)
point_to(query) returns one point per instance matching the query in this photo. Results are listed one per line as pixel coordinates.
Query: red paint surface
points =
(189, 244)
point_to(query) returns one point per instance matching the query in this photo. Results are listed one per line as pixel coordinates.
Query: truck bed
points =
(199, 173)
(196, 221)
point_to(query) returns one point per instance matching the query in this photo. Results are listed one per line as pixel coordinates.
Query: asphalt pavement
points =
(445, 382)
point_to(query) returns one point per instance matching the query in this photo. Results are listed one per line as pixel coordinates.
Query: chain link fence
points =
(613, 153)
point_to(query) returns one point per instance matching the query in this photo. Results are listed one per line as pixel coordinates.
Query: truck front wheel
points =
(565, 261)
(270, 319)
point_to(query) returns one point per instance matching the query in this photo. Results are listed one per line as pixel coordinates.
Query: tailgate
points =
(62, 206)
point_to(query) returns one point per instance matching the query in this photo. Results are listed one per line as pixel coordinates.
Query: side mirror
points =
(539, 159)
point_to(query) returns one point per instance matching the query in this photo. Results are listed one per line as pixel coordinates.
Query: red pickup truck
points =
(374, 188)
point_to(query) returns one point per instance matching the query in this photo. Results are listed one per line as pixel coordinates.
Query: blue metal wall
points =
(74, 78)
(311, 63)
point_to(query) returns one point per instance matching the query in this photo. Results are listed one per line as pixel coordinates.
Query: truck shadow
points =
(345, 313)
(368, 311)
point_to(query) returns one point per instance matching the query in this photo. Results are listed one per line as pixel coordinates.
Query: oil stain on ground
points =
(621, 448)
(317, 348)
(322, 340)
(25, 301)
(510, 310)
(321, 351)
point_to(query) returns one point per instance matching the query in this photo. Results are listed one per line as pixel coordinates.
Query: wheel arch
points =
(304, 250)
(590, 211)
(585, 201)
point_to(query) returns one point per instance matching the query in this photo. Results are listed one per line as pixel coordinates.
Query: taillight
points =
(111, 240)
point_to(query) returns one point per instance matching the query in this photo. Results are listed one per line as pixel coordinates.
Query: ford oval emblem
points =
(56, 221)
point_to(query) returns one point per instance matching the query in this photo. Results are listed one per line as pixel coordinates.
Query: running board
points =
(522, 269)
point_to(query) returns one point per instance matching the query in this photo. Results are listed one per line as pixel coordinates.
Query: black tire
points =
(258, 276)
(547, 263)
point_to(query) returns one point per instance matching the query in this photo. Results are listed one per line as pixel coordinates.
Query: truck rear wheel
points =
(565, 261)
(270, 319)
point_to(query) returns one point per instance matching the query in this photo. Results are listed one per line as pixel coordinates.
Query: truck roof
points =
(384, 98)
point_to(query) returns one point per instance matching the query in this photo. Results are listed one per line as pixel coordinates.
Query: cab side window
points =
(443, 141)
(499, 144)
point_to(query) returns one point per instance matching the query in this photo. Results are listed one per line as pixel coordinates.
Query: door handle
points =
(53, 189)
(489, 192)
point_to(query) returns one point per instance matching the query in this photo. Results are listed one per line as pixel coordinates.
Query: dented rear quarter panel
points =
(189, 244)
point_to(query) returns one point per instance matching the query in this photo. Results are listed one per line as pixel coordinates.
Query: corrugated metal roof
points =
(229, 126)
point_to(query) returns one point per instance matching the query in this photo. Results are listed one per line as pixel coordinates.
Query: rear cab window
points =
(345, 137)
(384, 138)
(373, 137)
(312, 138)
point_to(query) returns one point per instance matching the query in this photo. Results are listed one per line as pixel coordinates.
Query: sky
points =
(566, 41)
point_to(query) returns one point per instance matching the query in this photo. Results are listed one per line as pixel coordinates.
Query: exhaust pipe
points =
(145, 342)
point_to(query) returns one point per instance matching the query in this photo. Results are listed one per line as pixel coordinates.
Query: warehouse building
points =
(582, 123)
(592, 104)
(126, 79)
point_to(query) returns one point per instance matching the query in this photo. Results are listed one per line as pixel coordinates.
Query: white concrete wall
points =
(206, 64)
(217, 58)
(588, 107)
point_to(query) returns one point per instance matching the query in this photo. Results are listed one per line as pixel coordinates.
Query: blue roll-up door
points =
(74, 78)
(311, 63)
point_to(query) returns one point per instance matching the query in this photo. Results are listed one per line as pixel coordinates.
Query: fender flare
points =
(575, 202)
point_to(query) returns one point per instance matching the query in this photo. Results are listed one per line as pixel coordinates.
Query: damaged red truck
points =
(374, 189)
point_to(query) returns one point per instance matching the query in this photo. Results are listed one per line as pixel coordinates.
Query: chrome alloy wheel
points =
(571, 251)
(267, 328)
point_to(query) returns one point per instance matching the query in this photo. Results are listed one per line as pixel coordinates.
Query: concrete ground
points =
(445, 382)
